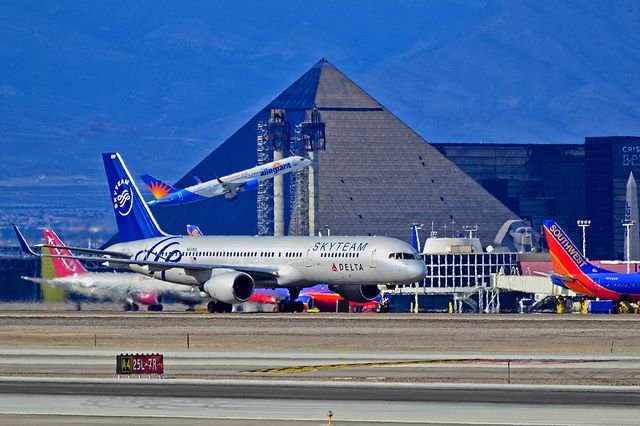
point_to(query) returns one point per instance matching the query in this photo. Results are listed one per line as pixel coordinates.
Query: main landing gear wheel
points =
(290, 306)
(131, 307)
(219, 307)
(155, 308)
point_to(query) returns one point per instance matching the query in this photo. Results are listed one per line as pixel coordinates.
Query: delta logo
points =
(275, 169)
(348, 267)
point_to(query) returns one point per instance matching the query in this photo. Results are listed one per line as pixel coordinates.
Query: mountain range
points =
(166, 82)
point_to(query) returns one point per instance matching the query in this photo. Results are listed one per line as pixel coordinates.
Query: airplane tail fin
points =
(62, 267)
(565, 256)
(194, 231)
(158, 188)
(415, 238)
(134, 219)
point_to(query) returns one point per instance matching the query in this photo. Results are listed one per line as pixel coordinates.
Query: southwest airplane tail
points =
(577, 274)
(133, 217)
(565, 256)
(194, 231)
(158, 188)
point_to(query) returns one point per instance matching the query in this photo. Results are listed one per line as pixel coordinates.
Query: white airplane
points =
(132, 289)
(229, 185)
(229, 268)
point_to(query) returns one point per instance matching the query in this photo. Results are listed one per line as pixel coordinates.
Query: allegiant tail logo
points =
(277, 168)
(566, 244)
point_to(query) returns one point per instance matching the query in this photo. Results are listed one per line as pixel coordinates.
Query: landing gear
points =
(219, 307)
(155, 308)
(291, 305)
(131, 307)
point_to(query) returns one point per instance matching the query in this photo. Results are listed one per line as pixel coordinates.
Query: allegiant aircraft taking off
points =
(229, 185)
(576, 273)
(229, 268)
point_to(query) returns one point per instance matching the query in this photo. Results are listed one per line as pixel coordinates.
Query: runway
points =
(59, 368)
(292, 401)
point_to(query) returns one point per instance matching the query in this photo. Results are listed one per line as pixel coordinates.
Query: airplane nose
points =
(417, 271)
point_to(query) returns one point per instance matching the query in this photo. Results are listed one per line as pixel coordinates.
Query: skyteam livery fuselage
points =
(577, 274)
(228, 186)
(228, 268)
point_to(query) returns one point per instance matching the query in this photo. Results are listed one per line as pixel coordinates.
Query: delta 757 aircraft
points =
(576, 273)
(229, 185)
(131, 288)
(229, 268)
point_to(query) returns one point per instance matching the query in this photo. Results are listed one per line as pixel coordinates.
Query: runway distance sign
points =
(139, 364)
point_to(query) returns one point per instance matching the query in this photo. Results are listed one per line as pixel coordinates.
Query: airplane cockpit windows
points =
(403, 256)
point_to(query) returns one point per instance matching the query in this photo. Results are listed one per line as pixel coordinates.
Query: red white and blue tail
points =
(565, 256)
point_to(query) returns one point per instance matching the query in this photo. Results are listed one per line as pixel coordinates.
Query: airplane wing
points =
(104, 256)
(230, 188)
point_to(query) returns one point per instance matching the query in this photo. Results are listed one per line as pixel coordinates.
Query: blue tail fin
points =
(134, 219)
(415, 238)
(158, 188)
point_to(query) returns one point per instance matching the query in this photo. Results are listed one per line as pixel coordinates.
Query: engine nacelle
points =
(356, 293)
(250, 185)
(229, 286)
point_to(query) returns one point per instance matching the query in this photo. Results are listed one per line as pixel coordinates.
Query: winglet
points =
(219, 180)
(23, 243)
(197, 179)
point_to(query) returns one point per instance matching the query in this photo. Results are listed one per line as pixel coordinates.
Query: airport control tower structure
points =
(273, 141)
(313, 135)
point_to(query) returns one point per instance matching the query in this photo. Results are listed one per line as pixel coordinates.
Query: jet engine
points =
(229, 286)
(250, 185)
(356, 293)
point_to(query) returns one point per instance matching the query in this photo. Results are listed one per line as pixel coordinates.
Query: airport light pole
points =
(584, 224)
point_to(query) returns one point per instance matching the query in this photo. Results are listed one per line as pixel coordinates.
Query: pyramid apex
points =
(323, 62)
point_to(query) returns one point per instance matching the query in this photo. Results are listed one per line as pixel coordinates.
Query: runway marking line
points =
(305, 368)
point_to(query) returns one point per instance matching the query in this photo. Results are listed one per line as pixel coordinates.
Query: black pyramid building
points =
(376, 177)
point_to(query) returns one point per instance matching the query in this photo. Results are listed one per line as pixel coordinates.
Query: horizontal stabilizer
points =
(555, 275)
(88, 251)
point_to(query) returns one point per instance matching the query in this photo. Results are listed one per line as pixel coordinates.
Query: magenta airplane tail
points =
(63, 267)
(158, 188)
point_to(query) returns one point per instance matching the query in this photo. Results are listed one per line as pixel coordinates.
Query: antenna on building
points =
(470, 229)
(434, 233)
